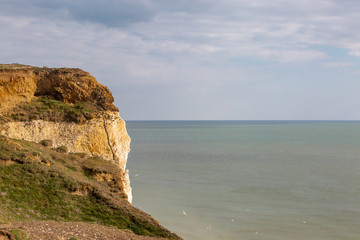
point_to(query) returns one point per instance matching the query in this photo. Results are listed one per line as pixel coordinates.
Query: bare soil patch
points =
(51, 230)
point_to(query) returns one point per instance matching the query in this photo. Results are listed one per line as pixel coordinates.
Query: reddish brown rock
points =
(19, 83)
(73, 86)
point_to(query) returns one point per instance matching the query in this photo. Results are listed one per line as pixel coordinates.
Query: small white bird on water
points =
(184, 212)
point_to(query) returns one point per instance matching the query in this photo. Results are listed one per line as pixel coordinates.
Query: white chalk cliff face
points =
(102, 134)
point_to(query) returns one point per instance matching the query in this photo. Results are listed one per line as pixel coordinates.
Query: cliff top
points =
(21, 84)
(18, 66)
(15, 66)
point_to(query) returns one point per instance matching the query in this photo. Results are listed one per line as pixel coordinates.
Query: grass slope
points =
(39, 183)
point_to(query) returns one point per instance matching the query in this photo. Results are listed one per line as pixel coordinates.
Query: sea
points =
(271, 180)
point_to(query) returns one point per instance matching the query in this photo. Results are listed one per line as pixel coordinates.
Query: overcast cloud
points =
(199, 59)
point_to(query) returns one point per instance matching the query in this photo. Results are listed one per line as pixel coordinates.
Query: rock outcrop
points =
(20, 83)
(97, 130)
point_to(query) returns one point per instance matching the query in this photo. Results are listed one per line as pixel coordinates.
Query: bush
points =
(46, 143)
(62, 149)
(19, 234)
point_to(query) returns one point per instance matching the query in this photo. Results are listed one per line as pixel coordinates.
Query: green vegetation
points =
(48, 109)
(19, 234)
(13, 66)
(46, 143)
(39, 183)
(61, 149)
(17, 66)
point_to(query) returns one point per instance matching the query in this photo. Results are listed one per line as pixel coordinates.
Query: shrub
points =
(19, 234)
(62, 149)
(46, 143)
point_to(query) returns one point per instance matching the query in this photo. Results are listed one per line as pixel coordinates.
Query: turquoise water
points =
(248, 179)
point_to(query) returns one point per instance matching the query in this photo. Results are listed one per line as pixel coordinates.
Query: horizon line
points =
(241, 120)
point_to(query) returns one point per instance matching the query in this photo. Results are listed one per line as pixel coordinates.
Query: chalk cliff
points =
(68, 107)
(63, 154)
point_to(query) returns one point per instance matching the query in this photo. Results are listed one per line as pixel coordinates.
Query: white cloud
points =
(338, 64)
(207, 27)
(113, 13)
(197, 46)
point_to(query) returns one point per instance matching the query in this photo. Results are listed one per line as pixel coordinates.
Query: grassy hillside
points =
(40, 183)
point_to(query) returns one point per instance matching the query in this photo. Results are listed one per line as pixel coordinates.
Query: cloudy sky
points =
(199, 59)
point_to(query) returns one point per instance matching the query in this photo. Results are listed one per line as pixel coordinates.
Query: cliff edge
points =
(68, 107)
(63, 154)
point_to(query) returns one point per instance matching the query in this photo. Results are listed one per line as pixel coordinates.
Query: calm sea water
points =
(248, 179)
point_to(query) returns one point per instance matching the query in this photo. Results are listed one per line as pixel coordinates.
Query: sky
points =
(199, 59)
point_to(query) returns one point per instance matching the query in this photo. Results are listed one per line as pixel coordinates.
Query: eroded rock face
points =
(103, 135)
(16, 87)
(73, 86)
(67, 85)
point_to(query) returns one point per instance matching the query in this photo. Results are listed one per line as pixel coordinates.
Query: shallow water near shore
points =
(248, 179)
